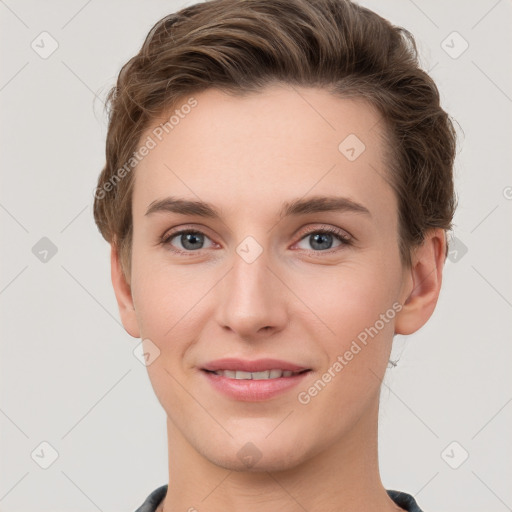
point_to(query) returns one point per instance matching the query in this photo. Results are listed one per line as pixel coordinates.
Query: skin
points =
(248, 156)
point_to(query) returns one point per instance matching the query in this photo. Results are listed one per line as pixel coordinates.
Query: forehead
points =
(275, 144)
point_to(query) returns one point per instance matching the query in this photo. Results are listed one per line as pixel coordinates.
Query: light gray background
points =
(68, 374)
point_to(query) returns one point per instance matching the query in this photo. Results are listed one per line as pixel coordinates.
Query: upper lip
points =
(258, 365)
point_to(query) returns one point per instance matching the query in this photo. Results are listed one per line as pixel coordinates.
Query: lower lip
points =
(253, 390)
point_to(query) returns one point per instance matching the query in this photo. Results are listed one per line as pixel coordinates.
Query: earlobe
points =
(123, 294)
(424, 283)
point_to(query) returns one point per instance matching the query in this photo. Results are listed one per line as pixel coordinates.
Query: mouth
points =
(275, 373)
(253, 381)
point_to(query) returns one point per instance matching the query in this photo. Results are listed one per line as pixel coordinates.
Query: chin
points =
(267, 463)
(257, 455)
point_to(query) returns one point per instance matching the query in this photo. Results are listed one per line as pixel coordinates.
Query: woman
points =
(277, 192)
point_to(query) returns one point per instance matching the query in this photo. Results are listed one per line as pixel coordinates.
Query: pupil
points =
(317, 239)
(321, 240)
(189, 240)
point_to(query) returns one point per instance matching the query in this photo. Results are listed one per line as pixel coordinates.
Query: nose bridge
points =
(251, 298)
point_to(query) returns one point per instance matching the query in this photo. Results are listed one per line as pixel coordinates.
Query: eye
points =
(189, 240)
(321, 240)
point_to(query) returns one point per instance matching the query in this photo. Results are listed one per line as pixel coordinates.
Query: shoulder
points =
(153, 500)
(404, 500)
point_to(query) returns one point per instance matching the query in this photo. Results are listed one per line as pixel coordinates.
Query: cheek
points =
(355, 303)
(167, 307)
(159, 297)
(357, 306)
(348, 298)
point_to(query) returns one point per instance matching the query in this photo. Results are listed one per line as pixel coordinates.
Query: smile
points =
(263, 375)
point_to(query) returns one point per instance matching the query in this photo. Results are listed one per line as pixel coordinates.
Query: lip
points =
(252, 390)
(258, 365)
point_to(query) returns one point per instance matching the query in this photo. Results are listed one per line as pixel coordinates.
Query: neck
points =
(345, 476)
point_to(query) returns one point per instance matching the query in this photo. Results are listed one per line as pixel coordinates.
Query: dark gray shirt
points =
(402, 499)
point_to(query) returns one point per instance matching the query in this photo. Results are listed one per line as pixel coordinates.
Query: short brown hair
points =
(240, 46)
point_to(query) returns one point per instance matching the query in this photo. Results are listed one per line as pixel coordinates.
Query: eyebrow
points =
(296, 207)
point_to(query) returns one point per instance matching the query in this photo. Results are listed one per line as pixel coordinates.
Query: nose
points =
(252, 299)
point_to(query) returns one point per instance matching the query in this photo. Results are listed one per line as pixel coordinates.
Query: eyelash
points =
(345, 239)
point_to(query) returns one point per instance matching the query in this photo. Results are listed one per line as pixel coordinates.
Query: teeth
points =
(260, 375)
(267, 374)
(243, 375)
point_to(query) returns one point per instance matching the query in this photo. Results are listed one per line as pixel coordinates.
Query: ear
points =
(123, 294)
(422, 283)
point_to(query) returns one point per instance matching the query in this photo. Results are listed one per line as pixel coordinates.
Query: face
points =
(295, 259)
